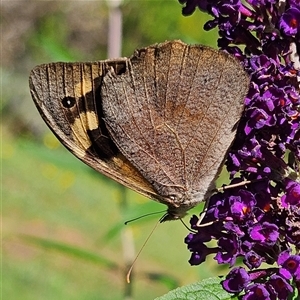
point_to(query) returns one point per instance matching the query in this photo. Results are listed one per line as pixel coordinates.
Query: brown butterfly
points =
(160, 122)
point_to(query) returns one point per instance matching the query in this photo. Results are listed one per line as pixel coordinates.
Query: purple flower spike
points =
(260, 221)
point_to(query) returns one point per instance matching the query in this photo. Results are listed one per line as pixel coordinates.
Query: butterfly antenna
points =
(147, 239)
(183, 223)
(146, 215)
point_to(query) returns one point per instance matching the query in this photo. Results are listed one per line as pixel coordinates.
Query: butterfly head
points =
(179, 204)
(174, 214)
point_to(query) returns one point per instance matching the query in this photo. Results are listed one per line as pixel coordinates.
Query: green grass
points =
(62, 228)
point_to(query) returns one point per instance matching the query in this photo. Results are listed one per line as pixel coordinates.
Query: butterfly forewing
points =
(68, 98)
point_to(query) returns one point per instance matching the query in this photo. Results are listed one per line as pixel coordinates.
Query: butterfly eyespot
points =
(68, 102)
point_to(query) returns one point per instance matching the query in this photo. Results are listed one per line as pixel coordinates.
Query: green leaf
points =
(207, 289)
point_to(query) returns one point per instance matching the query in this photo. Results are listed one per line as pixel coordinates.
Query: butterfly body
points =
(160, 122)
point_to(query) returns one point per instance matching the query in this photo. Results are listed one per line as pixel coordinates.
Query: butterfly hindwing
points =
(173, 113)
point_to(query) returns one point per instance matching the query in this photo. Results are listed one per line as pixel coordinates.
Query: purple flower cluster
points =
(260, 222)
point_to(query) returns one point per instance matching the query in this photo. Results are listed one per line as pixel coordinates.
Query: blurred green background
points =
(63, 235)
